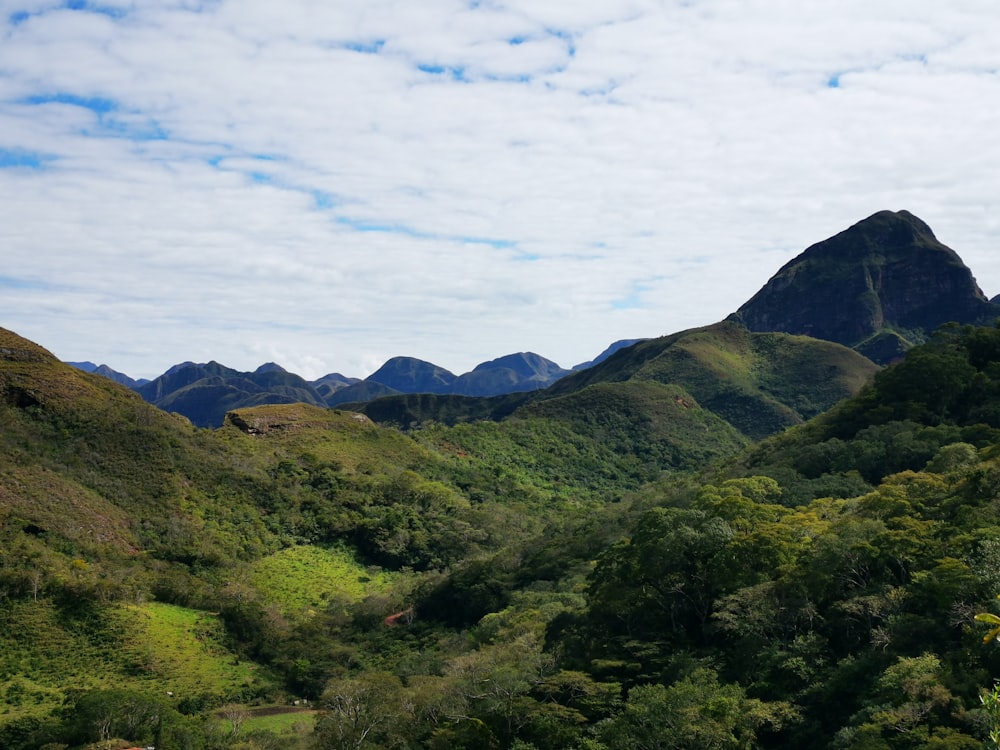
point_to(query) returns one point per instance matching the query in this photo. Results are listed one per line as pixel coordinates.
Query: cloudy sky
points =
(330, 183)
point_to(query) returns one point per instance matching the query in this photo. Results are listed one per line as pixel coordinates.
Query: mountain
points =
(879, 287)
(411, 375)
(511, 374)
(597, 564)
(107, 372)
(363, 390)
(142, 557)
(755, 383)
(204, 393)
(329, 384)
(759, 383)
(622, 344)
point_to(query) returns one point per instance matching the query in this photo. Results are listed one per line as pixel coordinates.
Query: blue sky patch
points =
(519, 78)
(566, 38)
(14, 158)
(148, 130)
(362, 225)
(130, 125)
(631, 302)
(104, 10)
(18, 17)
(96, 104)
(12, 282)
(494, 243)
(456, 73)
(322, 199)
(372, 47)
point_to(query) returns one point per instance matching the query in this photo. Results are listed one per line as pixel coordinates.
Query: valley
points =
(735, 536)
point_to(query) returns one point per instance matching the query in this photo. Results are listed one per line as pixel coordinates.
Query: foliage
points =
(301, 579)
(573, 576)
(695, 712)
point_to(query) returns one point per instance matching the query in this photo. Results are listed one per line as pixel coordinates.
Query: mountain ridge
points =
(879, 287)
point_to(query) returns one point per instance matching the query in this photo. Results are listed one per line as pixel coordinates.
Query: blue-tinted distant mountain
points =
(360, 392)
(327, 385)
(411, 375)
(513, 373)
(204, 393)
(622, 344)
(107, 372)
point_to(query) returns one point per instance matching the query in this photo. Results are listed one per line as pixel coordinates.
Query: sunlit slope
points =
(760, 383)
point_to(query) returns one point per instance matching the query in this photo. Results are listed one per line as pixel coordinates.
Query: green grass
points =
(299, 580)
(277, 719)
(350, 440)
(151, 648)
(180, 650)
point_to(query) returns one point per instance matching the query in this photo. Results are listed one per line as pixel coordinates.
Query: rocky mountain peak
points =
(879, 286)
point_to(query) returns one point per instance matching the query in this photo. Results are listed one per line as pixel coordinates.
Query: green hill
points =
(608, 563)
(115, 514)
(758, 383)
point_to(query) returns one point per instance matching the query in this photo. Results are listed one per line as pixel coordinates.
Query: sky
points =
(326, 184)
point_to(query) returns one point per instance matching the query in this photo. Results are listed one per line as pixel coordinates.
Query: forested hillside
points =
(583, 573)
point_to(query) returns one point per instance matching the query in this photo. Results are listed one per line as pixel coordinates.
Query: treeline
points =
(825, 598)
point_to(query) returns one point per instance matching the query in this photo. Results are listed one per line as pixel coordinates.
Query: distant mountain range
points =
(206, 392)
(879, 287)
(107, 372)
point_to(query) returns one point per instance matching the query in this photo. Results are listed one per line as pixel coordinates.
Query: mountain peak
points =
(524, 364)
(879, 286)
(412, 375)
(270, 367)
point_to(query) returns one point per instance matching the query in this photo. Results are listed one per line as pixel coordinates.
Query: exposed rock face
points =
(880, 286)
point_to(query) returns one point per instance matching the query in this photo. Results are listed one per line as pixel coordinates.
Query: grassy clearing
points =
(181, 650)
(299, 580)
(42, 655)
(151, 648)
(283, 720)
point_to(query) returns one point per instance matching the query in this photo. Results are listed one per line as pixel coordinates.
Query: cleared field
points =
(299, 580)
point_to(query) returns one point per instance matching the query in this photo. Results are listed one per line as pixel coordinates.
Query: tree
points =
(664, 579)
(694, 713)
(366, 711)
(103, 714)
(236, 715)
(990, 619)
(494, 682)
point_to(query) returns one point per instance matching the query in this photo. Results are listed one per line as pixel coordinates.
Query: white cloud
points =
(327, 185)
